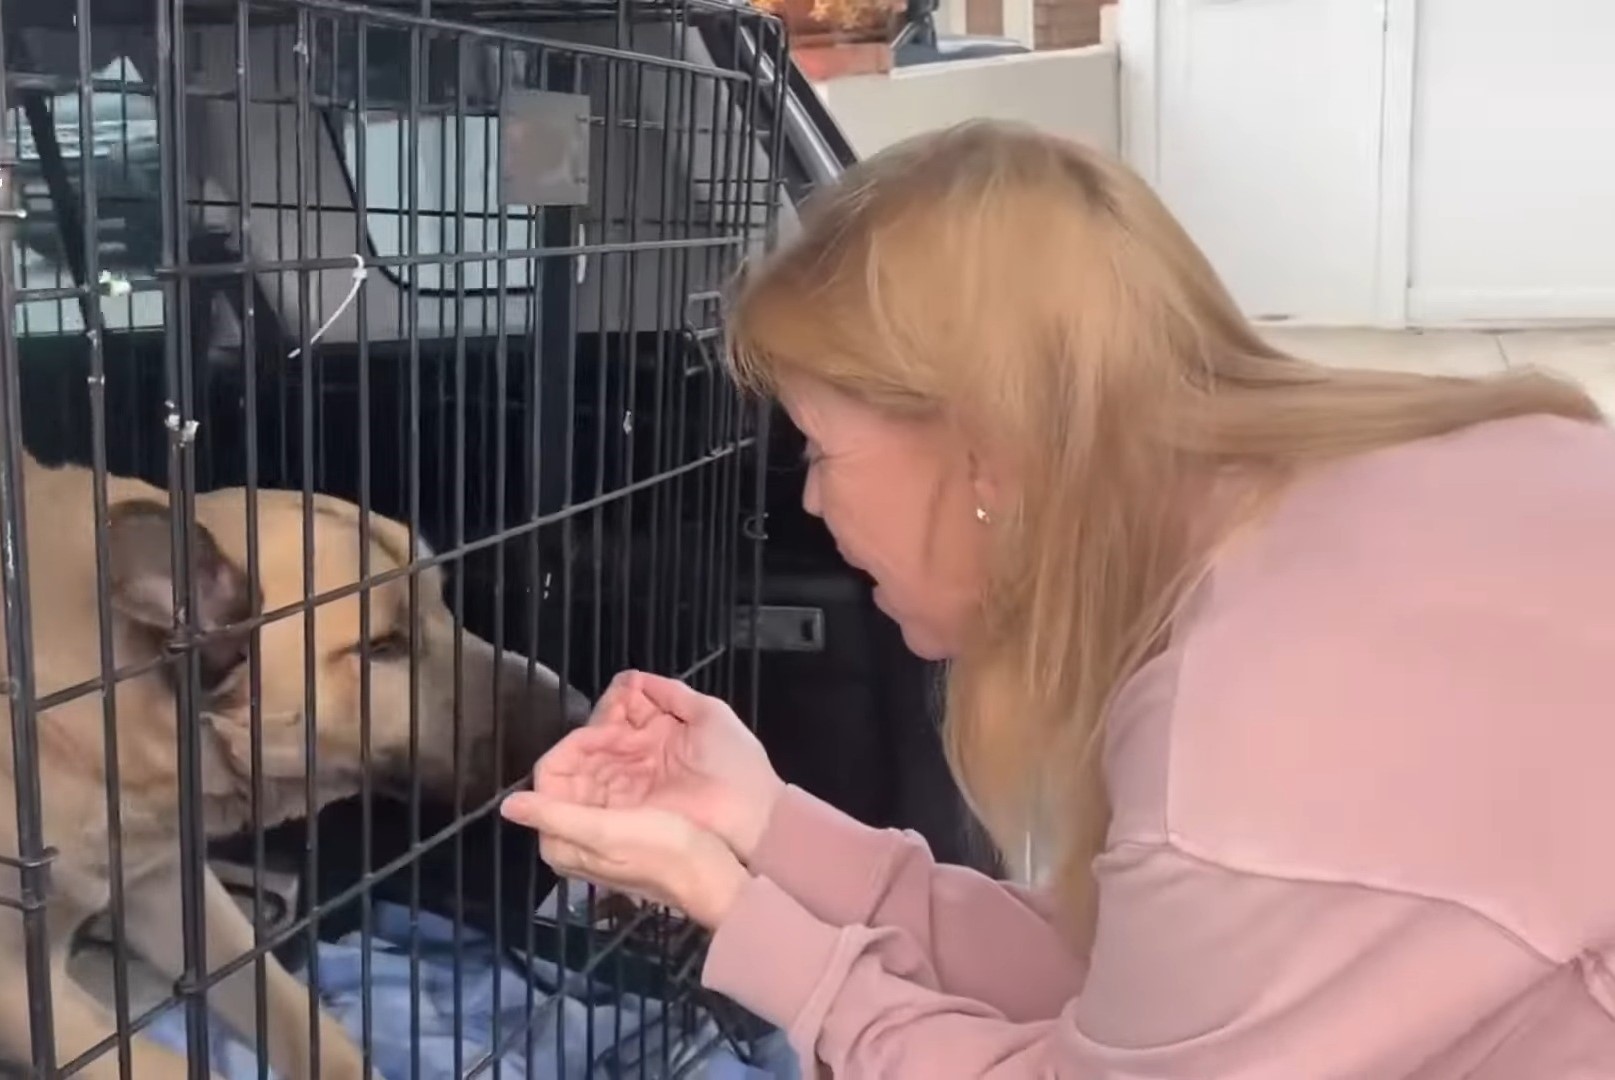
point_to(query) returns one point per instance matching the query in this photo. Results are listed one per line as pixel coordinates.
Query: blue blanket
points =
(558, 1040)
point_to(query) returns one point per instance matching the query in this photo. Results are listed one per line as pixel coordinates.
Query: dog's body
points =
(72, 754)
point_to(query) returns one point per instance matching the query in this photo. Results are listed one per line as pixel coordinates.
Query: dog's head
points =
(401, 659)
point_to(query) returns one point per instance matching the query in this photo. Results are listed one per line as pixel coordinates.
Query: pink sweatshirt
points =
(1364, 819)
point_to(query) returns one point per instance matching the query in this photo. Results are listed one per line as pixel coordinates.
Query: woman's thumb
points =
(523, 808)
(545, 813)
(555, 817)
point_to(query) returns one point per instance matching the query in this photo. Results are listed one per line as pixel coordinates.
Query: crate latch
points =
(779, 628)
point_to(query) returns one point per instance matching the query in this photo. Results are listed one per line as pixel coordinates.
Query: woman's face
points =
(901, 498)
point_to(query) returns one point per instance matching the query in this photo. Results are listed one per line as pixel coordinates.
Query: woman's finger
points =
(563, 857)
(612, 696)
(651, 722)
(640, 710)
(561, 759)
(559, 785)
(586, 789)
(610, 714)
(578, 865)
(670, 695)
(622, 680)
(581, 750)
(619, 737)
(621, 702)
(582, 865)
(583, 826)
(591, 740)
(558, 855)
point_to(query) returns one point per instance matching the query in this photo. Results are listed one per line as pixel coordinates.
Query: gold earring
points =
(981, 515)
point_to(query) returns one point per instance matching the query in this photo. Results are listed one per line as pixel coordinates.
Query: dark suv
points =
(125, 170)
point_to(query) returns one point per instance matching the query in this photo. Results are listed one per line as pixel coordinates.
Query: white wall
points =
(1344, 162)
(1389, 162)
(1513, 196)
(1070, 92)
(1267, 130)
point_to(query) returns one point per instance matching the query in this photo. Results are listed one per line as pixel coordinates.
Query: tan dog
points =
(72, 752)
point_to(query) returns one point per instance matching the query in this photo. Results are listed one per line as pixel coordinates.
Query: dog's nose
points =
(578, 708)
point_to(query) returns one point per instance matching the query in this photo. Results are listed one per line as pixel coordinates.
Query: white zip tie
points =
(184, 433)
(112, 285)
(359, 272)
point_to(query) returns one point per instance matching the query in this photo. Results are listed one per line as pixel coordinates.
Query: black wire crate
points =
(363, 414)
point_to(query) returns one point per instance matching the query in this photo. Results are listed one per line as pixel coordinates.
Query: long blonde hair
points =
(1040, 297)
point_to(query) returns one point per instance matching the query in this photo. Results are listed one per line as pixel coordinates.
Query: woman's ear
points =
(985, 486)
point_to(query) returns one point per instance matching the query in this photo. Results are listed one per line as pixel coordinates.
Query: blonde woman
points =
(1299, 683)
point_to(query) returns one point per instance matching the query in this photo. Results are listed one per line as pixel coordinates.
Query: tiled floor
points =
(1587, 355)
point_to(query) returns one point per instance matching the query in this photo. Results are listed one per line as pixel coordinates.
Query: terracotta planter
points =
(831, 38)
(799, 18)
(831, 59)
(817, 23)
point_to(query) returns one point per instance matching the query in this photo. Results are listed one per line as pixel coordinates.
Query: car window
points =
(124, 163)
(474, 143)
(447, 197)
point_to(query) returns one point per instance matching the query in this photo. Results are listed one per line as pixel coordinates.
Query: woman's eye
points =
(387, 647)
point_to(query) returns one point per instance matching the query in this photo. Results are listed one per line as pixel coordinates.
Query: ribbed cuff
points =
(769, 954)
(831, 862)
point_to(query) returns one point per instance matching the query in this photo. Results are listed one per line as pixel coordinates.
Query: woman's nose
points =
(810, 494)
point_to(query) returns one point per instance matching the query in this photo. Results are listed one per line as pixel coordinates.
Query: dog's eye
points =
(390, 646)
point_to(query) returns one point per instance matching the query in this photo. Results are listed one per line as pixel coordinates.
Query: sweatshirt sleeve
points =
(1199, 973)
(845, 873)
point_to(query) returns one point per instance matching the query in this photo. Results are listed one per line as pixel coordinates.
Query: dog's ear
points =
(140, 557)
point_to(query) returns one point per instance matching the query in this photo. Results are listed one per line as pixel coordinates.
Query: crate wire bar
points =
(306, 266)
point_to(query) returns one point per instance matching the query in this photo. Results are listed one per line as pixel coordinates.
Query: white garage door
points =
(1378, 161)
(1513, 210)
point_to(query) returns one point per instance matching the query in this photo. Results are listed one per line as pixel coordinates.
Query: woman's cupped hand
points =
(649, 854)
(663, 795)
